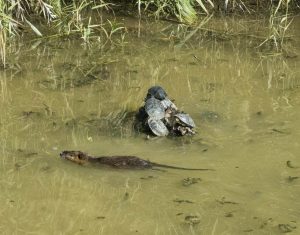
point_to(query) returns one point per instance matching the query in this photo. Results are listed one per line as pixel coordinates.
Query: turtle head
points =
(75, 156)
(157, 92)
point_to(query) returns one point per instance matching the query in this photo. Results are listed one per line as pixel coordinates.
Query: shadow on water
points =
(244, 101)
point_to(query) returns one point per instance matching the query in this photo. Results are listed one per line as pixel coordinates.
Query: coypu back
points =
(125, 162)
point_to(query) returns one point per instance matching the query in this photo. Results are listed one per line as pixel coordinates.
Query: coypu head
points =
(75, 156)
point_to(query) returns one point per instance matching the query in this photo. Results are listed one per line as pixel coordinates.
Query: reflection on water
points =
(245, 102)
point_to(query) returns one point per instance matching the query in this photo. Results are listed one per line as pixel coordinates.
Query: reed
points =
(84, 17)
(58, 17)
(279, 23)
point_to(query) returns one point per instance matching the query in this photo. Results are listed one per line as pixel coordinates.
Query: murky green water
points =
(60, 95)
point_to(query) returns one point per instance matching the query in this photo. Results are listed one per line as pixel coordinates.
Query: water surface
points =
(59, 95)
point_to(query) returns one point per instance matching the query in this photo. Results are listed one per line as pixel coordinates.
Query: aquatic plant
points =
(184, 10)
(65, 17)
(85, 17)
(278, 25)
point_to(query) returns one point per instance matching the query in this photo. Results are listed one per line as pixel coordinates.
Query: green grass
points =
(84, 17)
(60, 17)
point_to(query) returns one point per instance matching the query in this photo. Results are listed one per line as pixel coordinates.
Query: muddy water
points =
(63, 95)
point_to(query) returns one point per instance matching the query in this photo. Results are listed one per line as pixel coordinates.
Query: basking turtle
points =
(161, 116)
(180, 123)
(185, 120)
(157, 92)
(157, 127)
(183, 130)
(168, 104)
(156, 113)
(154, 108)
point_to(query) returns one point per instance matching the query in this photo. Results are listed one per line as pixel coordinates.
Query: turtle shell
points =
(185, 119)
(157, 92)
(157, 127)
(154, 108)
(168, 104)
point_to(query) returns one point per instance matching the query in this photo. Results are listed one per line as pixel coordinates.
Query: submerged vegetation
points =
(91, 18)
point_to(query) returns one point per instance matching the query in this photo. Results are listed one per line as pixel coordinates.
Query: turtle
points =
(168, 104)
(161, 115)
(154, 108)
(185, 120)
(156, 113)
(157, 92)
(157, 127)
(183, 130)
(182, 124)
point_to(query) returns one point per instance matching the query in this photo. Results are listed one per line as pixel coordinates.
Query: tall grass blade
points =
(34, 28)
(3, 46)
(201, 24)
(202, 6)
(278, 6)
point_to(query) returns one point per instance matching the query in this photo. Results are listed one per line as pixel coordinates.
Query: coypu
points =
(121, 162)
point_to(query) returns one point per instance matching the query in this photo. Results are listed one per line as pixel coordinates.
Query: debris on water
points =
(248, 230)
(268, 221)
(224, 201)
(182, 201)
(180, 213)
(147, 177)
(278, 131)
(286, 228)
(45, 168)
(192, 219)
(290, 165)
(26, 153)
(126, 196)
(229, 214)
(30, 154)
(292, 178)
(27, 114)
(190, 180)
(17, 166)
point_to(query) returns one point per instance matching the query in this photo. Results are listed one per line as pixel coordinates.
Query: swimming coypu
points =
(121, 162)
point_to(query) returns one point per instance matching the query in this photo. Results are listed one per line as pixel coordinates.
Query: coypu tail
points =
(181, 168)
